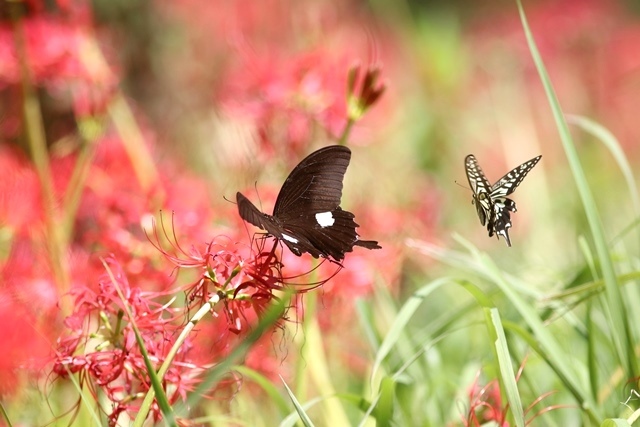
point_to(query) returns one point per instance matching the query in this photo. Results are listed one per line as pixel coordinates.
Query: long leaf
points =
(507, 375)
(299, 409)
(161, 397)
(266, 385)
(269, 318)
(611, 142)
(616, 310)
(402, 319)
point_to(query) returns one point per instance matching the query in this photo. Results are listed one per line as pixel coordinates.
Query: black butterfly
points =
(307, 216)
(491, 201)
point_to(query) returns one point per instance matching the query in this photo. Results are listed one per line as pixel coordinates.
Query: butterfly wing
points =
(332, 234)
(315, 185)
(248, 212)
(502, 205)
(501, 222)
(492, 204)
(481, 189)
(308, 205)
(508, 183)
(307, 216)
(251, 214)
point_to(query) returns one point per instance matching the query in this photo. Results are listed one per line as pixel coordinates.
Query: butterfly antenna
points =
(463, 186)
(374, 54)
(230, 201)
(255, 187)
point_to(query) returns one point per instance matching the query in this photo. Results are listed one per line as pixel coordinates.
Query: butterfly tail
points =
(504, 233)
(369, 244)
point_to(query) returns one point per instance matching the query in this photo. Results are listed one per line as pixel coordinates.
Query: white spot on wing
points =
(289, 238)
(325, 219)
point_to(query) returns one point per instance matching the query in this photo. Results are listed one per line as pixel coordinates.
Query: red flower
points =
(115, 364)
(244, 279)
(485, 404)
(59, 58)
(361, 95)
(25, 343)
(20, 200)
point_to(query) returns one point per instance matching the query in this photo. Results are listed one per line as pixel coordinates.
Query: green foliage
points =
(543, 333)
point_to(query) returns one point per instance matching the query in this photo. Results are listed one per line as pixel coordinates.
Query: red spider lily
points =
(485, 404)
(59, 54)
(288, 99)
(590, 49)
(101, 347)
(362, 94)
(242, 279)
(20, 201)
(245, 278)
(114, 208)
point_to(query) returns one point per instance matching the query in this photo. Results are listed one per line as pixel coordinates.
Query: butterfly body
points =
(307, 216)
(492, 204)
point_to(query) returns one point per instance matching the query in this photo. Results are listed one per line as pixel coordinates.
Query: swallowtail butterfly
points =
(307, 216)
(491, 201)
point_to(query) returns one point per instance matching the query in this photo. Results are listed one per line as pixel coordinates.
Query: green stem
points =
(345, 133)
(73, 195)
(148, 399)
(36, 139)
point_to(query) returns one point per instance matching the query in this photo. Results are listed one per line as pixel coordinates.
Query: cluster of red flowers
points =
(102, 196)
(100, 344)
(486, 404)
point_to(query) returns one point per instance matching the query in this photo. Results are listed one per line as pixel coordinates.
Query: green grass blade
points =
(561, 370)
(385, 405)
(542, 340)
(368, 408)
(401, 320)
(83, 393)
(555, 355)
(266, 385)
(161, 397)
(299, 409)
(367, 323)
(615, 422)
(507, 376)
(611, 142)
(293, 418)
(620, 330)
(592, 347)
(272, 315)
(5, 416)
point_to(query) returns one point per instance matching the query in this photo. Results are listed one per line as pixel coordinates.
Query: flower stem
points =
(148, 399)
(346, 131)
(89, 131)
(36, 139)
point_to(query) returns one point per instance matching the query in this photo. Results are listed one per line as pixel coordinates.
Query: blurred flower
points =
(590, 51)
(370, 90)
(485, 404)
(289, 98)
(115, 210)
(25, 339)
(101, 345)
(63, 63)
(20, 200)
